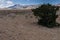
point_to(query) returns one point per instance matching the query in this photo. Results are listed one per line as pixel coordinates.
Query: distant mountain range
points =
(57, 5)
(18, 6)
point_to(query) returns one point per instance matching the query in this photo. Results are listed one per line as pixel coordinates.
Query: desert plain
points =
(22, 25)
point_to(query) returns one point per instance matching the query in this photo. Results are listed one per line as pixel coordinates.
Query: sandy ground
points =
(25, 28)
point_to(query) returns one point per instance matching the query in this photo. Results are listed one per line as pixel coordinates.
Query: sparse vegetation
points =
(11, 13)
(46, 14)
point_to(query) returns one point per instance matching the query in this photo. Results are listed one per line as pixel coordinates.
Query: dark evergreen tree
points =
(47, 15)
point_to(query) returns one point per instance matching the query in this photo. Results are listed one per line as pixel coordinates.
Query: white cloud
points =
(5, 3)
(9, 2)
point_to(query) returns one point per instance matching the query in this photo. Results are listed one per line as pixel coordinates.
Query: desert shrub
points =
(26, 16)
(31, 16)
(46, 14)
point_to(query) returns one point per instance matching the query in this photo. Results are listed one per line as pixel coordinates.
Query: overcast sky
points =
(7, 3)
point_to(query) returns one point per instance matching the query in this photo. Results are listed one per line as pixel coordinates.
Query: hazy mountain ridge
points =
(18, 6)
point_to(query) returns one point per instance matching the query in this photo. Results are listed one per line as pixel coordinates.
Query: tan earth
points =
(24, 27)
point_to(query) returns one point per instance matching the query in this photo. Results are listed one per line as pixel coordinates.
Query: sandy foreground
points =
(24, 27)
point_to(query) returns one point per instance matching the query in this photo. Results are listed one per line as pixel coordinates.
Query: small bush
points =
(47, 15)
